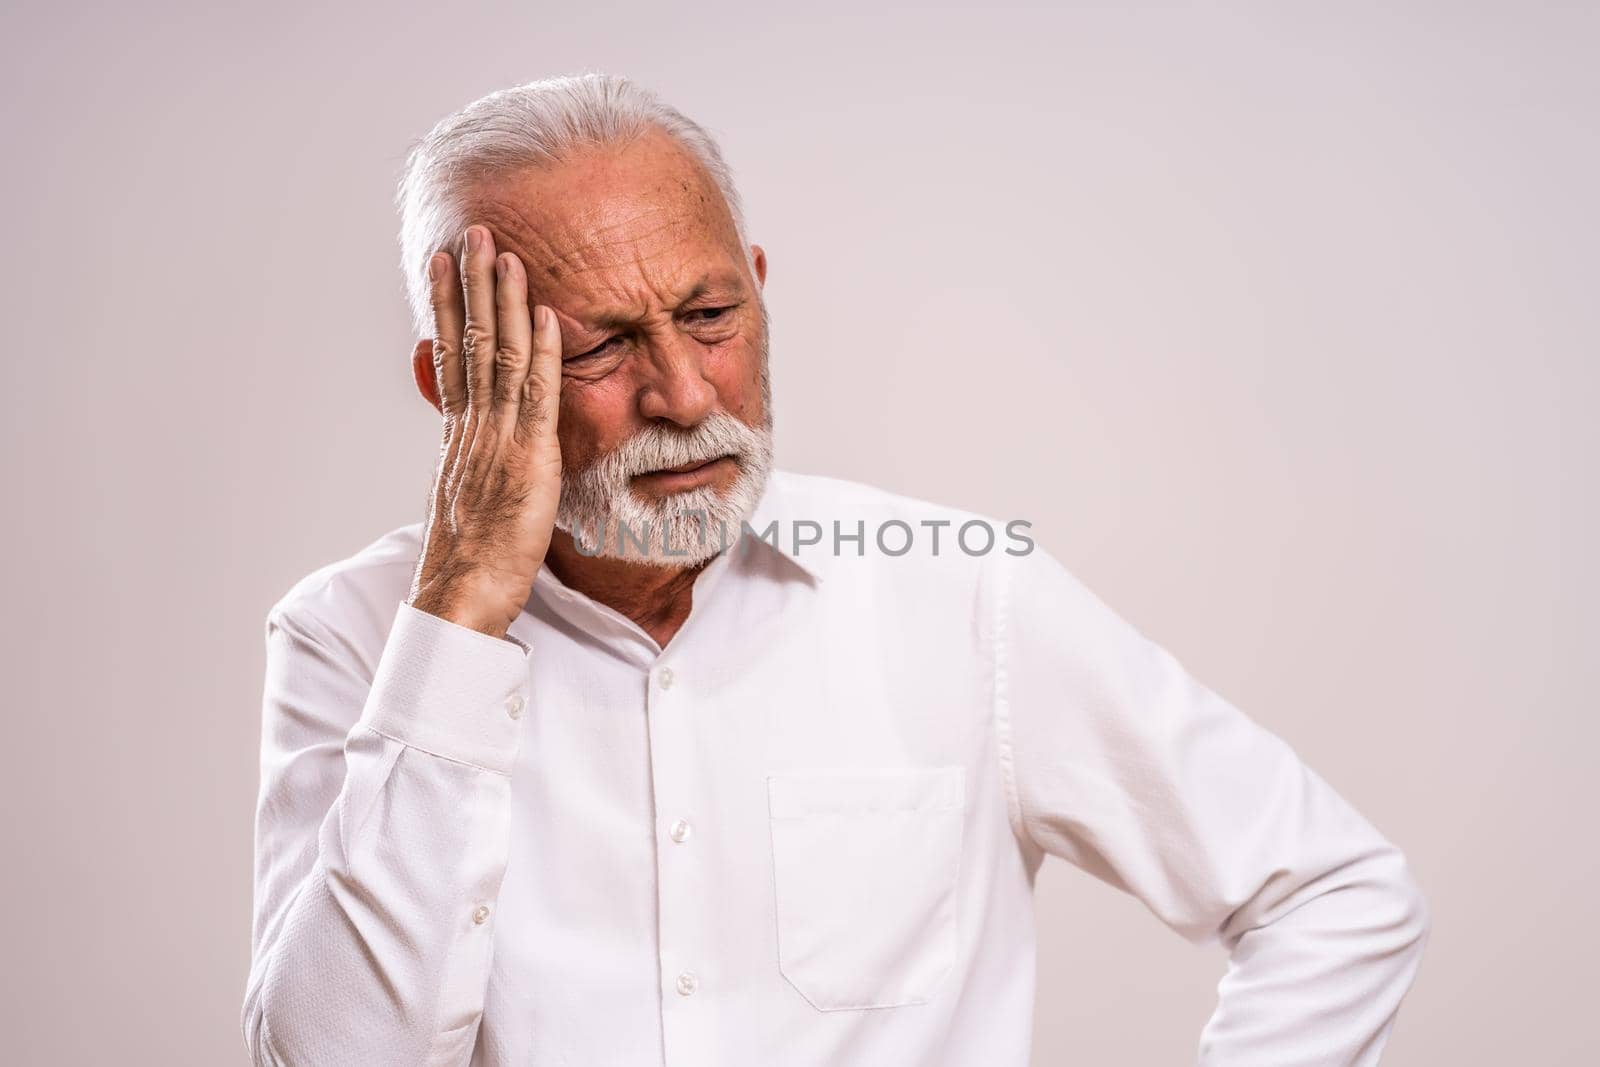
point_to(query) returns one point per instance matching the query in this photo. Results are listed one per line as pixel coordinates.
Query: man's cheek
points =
(735, 368)
(588, 427)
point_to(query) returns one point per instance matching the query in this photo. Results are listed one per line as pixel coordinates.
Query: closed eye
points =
(708, 314)
(595, 351)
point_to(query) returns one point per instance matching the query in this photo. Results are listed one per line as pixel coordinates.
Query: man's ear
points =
(759, 256)
(422, 370)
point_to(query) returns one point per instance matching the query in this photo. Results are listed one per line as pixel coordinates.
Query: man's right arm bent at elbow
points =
(384, 817)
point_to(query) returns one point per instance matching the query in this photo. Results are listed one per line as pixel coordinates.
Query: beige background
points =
(1277, 320)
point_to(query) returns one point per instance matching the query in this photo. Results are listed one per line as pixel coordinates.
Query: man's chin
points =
(670, 518)
(690, 532)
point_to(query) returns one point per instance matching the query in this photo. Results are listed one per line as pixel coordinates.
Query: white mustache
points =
(655, 447)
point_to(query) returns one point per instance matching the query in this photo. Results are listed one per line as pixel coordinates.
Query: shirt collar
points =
(772, 523)
(772, 529)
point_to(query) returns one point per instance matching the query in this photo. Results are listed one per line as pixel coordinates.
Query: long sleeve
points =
(382, 831)
(1119, 762)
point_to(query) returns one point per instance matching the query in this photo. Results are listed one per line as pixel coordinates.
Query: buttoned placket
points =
(679, 877)
(686, 974)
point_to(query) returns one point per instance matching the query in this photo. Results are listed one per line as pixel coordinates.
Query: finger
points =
(515, 337)
(478, 337)
(541, 391)
(445, 295)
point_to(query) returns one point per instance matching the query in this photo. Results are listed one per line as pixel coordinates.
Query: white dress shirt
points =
(803, 833)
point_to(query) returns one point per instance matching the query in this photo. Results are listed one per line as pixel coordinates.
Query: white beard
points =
(598, 503)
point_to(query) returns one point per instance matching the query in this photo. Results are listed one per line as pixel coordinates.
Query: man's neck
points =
(657, 598)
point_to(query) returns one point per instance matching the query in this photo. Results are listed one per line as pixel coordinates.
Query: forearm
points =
(375, 915)
(384, 952)
(1320, 984)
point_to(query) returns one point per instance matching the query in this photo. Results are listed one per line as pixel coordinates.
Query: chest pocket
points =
(865, 864)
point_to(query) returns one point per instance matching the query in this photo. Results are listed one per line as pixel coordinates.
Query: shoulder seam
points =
(1000, 706)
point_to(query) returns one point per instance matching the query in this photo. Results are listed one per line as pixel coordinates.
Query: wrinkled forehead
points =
(646, 208)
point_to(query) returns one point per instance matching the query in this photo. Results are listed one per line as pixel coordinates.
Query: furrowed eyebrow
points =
(721, 284)
(731, 287)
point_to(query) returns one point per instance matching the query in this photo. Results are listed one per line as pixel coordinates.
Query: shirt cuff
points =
(449, 690)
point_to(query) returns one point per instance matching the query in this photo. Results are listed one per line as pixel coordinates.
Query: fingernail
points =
(435, 267)
(474, 238)
(540, 313)
(500, 267)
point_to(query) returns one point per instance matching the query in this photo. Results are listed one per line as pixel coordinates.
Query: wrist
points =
(467, 600)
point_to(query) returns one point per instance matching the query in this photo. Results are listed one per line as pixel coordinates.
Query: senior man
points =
(605, 762)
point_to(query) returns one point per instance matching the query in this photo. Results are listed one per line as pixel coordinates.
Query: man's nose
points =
(674, 386)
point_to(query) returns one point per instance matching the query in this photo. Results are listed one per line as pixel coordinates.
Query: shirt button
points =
(481, 914)
(688, 983)
(665, 678)
(679, 831)
(514, 705)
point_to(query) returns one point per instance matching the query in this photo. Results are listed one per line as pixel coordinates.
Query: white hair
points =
(530, 125)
